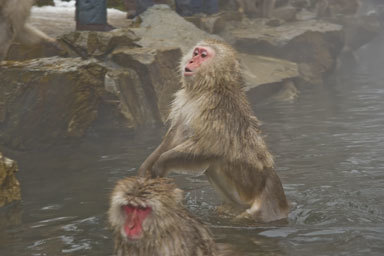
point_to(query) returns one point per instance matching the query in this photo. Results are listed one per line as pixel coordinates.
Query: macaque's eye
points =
(204, 54)
(196, 52)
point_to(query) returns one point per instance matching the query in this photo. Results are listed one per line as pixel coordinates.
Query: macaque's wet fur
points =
(169, 229)
(13, 17)
(213, 130)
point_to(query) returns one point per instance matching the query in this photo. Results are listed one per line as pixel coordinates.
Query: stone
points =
(47, 100)
(269, 77)
(97, 44)
(9, 185)
(19, 52)
(157, 71)
(313, 43)
(162, 27)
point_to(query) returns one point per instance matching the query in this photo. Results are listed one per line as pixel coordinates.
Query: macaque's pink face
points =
(134, 218)
(200, 55)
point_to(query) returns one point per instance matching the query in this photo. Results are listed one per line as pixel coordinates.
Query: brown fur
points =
(168, 230)
(13, 17)
(213, 130)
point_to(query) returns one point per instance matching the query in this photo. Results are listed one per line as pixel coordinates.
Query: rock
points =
(313, 44)
(9, 185)
(97, 44)
(48, 99)
(360, 30)
(157, 72)
(266, 70)
(340, 7)
(162, 27)
(285, 13)
(267, 76)
(21, 52)
(216, 23)
(44, 2)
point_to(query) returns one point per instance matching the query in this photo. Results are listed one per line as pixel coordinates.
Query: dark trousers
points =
(190, 7)
(91, 12)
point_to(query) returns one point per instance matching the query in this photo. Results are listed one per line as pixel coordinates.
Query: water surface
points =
(328, 146)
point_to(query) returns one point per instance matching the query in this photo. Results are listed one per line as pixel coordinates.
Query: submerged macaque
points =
(213, 131)
(13, 26)
(148, 218)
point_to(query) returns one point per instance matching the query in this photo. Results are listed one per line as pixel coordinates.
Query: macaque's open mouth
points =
(188, 72)
(135, 216)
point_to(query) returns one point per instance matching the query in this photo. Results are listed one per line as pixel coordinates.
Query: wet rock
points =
(21, 52)
(162, 27)
(360, 30)
(338, 7)
(216, 23)
(312, 44)
(154, 84)
(97, 44)
(9, 185)
(48, 99)
(268, 76)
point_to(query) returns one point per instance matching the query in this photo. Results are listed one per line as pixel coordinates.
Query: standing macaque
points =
(13, 26)
(149, 219)
(213, 130)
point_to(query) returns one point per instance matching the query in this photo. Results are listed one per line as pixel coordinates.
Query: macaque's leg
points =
(30, 36)
(181, 159)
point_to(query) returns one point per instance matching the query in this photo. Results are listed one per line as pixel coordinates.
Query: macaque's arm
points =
(182, 157)
(30, 36)
(146, 166)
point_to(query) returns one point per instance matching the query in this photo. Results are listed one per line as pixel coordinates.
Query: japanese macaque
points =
(13, 26)
(148, 218)
(213, 130)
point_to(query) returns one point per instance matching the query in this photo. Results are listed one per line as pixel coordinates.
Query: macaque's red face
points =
(200, 55)
(134, 218)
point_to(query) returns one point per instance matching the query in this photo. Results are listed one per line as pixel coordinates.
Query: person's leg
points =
(211, 6)
(92, 15)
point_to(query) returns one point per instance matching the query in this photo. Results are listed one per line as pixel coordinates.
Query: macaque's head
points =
(209, 59)
(138, 204)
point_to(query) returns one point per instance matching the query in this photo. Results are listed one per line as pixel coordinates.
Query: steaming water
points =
(329, 148)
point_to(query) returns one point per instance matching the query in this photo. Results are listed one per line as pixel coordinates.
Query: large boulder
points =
(157, 73)
(97, 44)
(84, 44)
(313, 44)
(48, 99)
(9, 185)
(163, 27)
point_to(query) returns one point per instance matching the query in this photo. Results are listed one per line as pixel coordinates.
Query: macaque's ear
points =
(179, 195)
